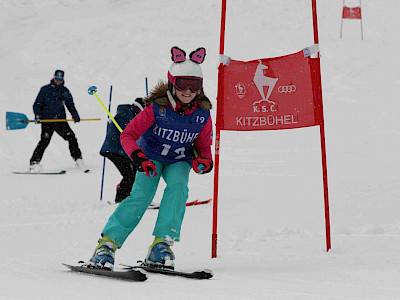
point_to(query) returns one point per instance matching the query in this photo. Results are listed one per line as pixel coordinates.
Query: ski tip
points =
(68, 266)
(139, 274)
(141, 270)
(204, 274)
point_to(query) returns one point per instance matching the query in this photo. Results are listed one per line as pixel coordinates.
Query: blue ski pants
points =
(172, 208)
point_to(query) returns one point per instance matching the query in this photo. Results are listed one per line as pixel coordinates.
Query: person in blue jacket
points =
(113, 150)
(49, 104)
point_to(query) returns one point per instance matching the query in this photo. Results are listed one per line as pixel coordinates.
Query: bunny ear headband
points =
(197, 56)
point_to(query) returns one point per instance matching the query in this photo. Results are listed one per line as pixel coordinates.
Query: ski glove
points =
(202, 165)
(37, 119)
(76, 118)
(143, 164)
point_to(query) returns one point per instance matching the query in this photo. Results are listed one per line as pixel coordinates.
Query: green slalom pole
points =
(92, 91)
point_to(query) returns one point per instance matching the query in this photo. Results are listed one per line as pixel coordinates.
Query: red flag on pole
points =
(271, 93)
(351, 13)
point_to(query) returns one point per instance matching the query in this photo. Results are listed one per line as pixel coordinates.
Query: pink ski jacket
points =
(146, 120)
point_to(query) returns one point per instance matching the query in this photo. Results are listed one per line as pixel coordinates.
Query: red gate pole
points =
(362, 34)
(218, 131)
(323, 148)
(341, 25)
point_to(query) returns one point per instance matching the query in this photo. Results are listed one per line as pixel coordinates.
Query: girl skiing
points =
(169, 137)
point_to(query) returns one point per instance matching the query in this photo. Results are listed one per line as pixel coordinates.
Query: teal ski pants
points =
(172, 208)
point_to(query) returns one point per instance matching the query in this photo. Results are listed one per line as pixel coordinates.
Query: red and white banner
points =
(271, 93)
(351, 12)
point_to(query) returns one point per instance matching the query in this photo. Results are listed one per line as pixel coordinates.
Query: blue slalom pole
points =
(147, 88)
(104, 158)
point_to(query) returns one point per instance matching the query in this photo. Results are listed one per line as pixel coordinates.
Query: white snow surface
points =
(271, 232)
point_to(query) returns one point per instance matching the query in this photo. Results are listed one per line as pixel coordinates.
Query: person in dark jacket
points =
(49, 104)
(113, 150)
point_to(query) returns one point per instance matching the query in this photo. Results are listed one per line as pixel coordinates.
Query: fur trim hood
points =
(159, 95)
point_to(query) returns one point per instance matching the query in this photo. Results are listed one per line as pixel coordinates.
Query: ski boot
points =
(104, 254)
(81, 165)
(34, 167)
(160, 255)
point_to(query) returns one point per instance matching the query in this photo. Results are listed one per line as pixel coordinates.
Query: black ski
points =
(133, 274)
(199, 274)
(42, 173)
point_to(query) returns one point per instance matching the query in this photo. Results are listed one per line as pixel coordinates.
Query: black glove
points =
(76, 118)
(143, 164)
(37, 119)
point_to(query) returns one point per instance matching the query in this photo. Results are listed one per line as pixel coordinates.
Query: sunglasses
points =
(182, 83)
(59, 79)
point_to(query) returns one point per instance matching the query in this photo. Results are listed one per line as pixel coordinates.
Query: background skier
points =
(49, 104)
(113, 150)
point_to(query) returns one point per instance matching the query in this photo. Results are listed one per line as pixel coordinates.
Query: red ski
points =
(191, 203)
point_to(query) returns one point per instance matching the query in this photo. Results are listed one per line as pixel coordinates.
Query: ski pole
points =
(104, 158)
(92, 91)
(59, 120)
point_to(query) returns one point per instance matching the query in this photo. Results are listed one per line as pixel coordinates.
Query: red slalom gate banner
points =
(351, 13)
(270, 94)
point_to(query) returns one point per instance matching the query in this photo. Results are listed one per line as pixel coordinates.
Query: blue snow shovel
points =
(16, 120)
(20, 121)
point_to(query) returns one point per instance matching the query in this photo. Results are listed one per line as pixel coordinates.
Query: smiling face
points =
(185, 96)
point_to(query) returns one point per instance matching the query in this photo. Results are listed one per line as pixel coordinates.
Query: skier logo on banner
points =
(240, 90)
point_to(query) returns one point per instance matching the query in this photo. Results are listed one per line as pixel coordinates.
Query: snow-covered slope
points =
(271, 219)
